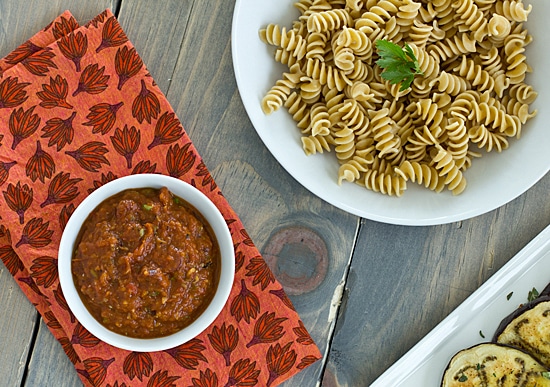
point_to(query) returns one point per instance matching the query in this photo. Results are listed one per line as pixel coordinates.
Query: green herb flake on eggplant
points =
(528, 328)
(493, 364)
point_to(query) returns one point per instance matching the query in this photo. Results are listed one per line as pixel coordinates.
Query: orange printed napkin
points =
(77, 110)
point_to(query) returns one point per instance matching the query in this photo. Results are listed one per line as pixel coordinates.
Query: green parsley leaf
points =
(147, 207)
(533, 294)
(462, 378)
(546, 375)
(509, 295)
(481, 334)
(399, 64)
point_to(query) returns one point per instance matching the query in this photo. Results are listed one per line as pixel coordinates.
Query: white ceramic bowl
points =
(194, 197)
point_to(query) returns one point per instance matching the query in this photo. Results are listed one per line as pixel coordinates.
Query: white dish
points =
(196, 199)
(482, 312)
(493, 180)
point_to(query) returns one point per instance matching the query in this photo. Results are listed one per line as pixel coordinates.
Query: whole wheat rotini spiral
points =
(471, 97)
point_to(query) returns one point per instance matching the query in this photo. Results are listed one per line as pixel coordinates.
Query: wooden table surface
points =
(367, 291)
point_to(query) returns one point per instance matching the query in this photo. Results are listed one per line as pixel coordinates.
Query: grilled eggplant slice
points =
(493, 364)
(528, 328)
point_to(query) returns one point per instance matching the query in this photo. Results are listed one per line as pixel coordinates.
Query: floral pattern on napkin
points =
(78, 109)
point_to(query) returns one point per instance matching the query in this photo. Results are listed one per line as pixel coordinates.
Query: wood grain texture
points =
(156, 29)
(49, 366)
(400, 281)
(17, 323)
(404, 280)
(189, 55)
(19, 21)
(204, 93)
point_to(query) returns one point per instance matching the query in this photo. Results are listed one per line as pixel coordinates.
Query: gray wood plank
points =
(49, 366)
(156, 29)
(18, 22)
(268, 200)
(404, 280)
(17, 322)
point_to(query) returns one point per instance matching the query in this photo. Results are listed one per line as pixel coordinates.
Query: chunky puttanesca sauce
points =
(146, 263)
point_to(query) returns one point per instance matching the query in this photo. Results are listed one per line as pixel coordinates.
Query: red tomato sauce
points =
(146, 263)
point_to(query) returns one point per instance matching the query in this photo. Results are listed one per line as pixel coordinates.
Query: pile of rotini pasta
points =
(472, 97)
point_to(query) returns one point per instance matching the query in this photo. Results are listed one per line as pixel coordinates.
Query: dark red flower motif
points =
(40, 63)
(96, 20)
(267, 329)
(104, 180)
(64, 27)
(40, 165)
(262, 274)
(224, 340)
(55, 94)
(22, 52)
(112, 35)
(36, 234)
(138, 365)
(239, 259)
(162, 379)
(127, 64)
(81, 336)
(5, 170)
(96, 369)
(44, 271)
(307, 361)
(246, 238)
(126, 143)
(12, 92)
(188, 355)
(245, 305)
(31, 284)
(167, 130)
(69, 350)
(144, 166)
(146, 105)
(303, 335)
(22, 124)
(19, 199)
(243, 373)
(92, 80)
(202, 171)
(65, 214)
(7, 254)
(279, 360)
(59, 131)
(52, 321)
(90, 156)
(60, 298)
(74, 47)
(282, 295)
(205, 379)
(179, 160)
(62, 189)
(102, 117)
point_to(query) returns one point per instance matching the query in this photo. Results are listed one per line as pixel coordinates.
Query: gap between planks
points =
(32, 344)
(336, 303)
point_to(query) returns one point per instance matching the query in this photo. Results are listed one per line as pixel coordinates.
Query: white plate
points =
(482, 312)
(493, 180)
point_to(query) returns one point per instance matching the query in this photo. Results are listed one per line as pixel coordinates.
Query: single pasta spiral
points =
(513, 10)
(328, 20)
(454, 179)
(421, 173)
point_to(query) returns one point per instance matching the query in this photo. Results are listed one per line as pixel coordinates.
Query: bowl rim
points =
(194, 197)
